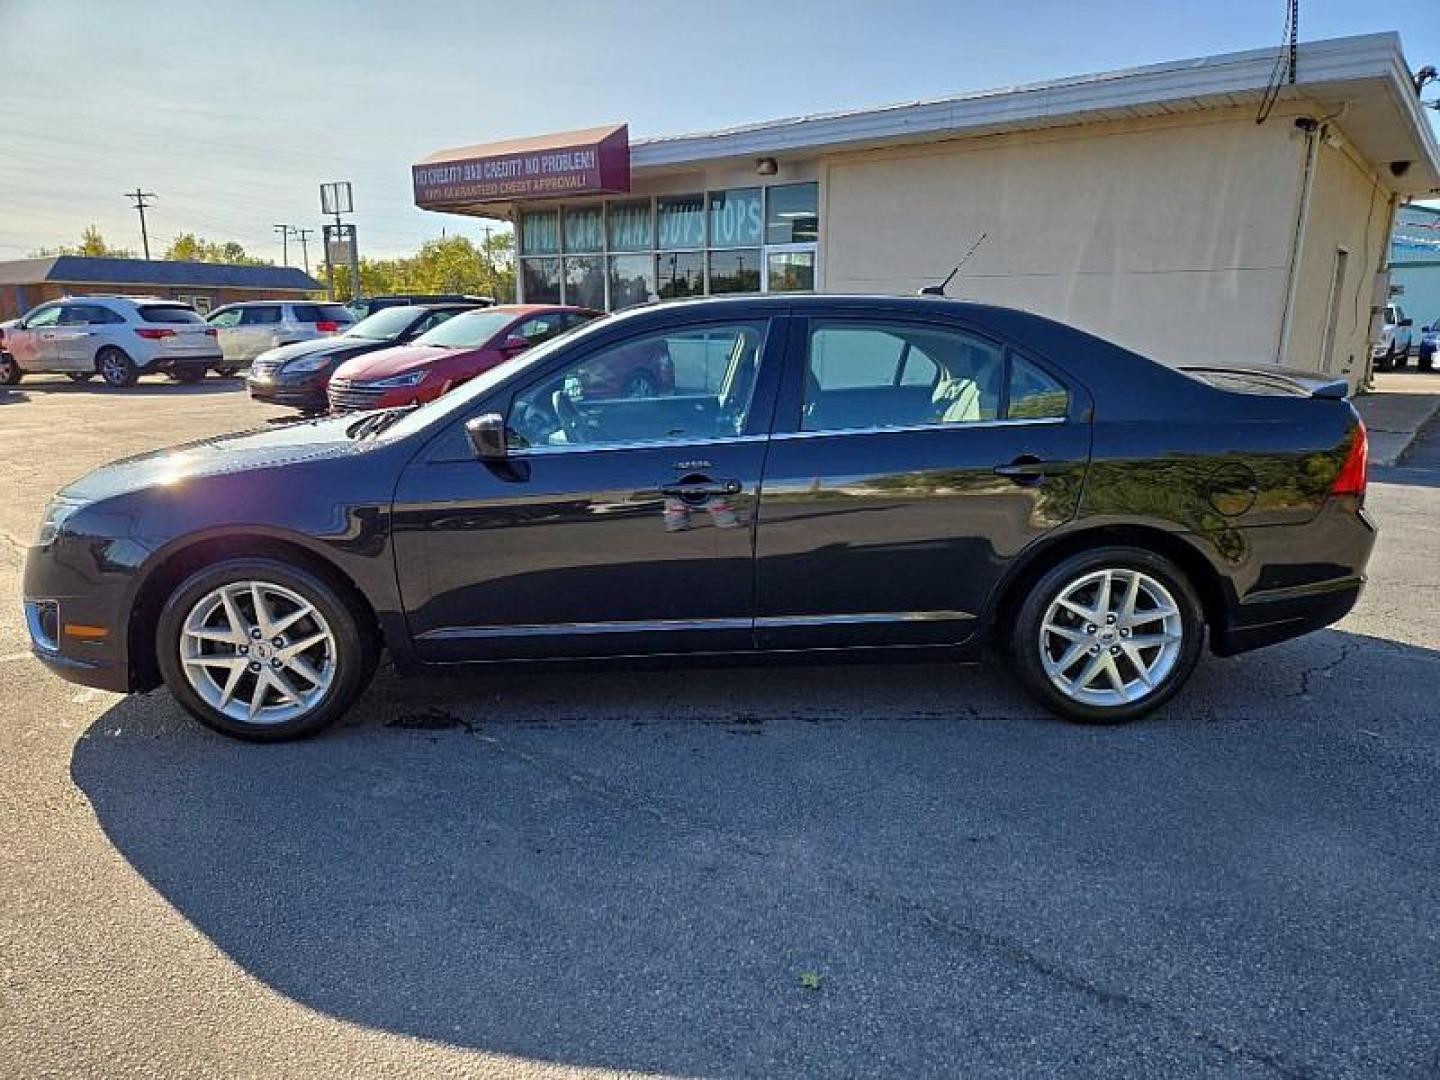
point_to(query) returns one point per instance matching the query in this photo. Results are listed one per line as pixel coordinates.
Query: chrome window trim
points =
(657, 444)
(1024, 421)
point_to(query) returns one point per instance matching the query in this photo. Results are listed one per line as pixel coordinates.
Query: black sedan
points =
(828, 476)
(298, 375)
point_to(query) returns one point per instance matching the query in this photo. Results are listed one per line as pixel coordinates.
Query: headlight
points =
(410, 378)
(55, 515)
(304, 365)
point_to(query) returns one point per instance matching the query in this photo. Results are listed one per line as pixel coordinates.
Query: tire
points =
(10, 372)
(340, 660)
(80, 376)
(187, 374)
(1037, 648)
(116, 368)
(1426, 361)
(225, 372)
(641, 384)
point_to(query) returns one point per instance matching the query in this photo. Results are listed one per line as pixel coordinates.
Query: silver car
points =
(118, 338)
(248, 329)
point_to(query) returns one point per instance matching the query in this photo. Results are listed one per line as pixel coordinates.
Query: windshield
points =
(468, 331)
(385, 325)
(460, 400)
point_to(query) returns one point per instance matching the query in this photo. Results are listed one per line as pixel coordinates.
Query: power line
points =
(140, 205)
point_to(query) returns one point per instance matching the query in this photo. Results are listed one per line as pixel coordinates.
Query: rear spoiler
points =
(1301, 383)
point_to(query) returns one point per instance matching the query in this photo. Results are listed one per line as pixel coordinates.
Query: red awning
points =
(586, 162)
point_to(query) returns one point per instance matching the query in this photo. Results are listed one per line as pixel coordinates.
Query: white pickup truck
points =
(1396, 338)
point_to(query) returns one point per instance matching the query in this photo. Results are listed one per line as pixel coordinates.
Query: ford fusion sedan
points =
(298, 375)
(449, 355)
(914, 478)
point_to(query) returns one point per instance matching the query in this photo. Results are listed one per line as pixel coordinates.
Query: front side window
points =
(225, 317)
(44, 317)
(259, 316)
(675, 386)
(878, 375)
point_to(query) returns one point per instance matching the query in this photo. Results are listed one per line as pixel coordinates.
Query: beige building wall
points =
(1171, 236)
(1351, 212)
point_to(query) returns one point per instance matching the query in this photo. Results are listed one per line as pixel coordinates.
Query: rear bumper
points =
(1308, 577)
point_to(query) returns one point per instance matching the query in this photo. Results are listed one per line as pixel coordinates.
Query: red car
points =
(453, 352)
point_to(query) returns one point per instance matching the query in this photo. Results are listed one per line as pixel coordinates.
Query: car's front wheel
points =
(263, 650)
(1107, 635)
(116, 368)
(10, 372)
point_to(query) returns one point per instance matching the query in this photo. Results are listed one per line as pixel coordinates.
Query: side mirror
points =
(514, 345)
(487, 436)
(1407, 322)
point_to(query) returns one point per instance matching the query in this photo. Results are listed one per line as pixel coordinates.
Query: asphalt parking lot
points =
(843, 870)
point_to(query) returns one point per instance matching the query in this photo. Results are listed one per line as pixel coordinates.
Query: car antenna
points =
(939, 290)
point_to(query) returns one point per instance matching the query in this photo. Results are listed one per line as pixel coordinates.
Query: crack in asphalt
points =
(977, 940)
(1347, 650)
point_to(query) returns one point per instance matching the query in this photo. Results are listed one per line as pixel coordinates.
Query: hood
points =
(326, 346)
(396, 360)
(281, 445)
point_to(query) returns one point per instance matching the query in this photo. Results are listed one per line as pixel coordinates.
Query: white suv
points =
(118, 338)
(1397, 335)
(248, 329)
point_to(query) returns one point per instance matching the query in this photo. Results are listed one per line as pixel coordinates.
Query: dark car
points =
(910, 477)
(299, 374)
(363, 309)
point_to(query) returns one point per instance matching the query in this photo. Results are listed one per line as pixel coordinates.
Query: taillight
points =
(1352, 475)
(327, 326)
(210, 331)
(151, 334)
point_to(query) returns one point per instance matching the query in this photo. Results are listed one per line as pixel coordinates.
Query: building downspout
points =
(1314, 132)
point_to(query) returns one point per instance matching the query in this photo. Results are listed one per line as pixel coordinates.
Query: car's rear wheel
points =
(263, 650)
(10, 372)
(116, 368)
(1107, 635)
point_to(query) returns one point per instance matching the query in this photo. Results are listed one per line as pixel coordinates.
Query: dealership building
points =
(1148, 206)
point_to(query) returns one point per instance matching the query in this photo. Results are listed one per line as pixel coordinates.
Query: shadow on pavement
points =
(640, 870)
(149, 384)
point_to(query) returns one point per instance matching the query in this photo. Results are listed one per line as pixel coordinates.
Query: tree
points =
(187, 247)
(448, 264)
(91, 243)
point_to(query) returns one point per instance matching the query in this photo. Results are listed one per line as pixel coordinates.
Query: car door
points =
(74, 343)
(911, 461)
(615, 526)
(255, 332)
(33, 344)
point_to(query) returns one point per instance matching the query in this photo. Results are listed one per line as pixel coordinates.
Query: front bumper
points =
(307, 396)
(85, 639)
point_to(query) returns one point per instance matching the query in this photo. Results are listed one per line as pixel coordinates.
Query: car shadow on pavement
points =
(150, 384)
(858, 869)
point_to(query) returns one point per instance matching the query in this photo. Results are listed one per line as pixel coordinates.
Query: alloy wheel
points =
(1111, 637)
(114, 369)
(258, 652)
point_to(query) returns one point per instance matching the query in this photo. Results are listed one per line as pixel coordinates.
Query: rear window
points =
(169, 313)
(323, 313)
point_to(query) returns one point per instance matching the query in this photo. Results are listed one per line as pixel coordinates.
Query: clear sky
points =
(234, 112)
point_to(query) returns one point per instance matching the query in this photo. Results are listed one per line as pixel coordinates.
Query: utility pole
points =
(304, 237)
(140, 205)
(284, 231)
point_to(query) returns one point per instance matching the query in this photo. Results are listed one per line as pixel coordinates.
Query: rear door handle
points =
(701, 489)
(1033, 469)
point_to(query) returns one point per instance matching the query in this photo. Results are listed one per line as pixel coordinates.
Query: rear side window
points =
(88, 315)
(1034, 395)
(259, 316)
(322, 313)
(879, 375)
(168, 313)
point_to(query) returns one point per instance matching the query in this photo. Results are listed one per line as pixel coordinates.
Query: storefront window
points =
(735, 218)
(735, 271)
(681, 221)
(541, 279)
(790, 271)
(792, 214)
(632, 280)
(629, 224)
(540, 232)
(585, 281)
(584, 228)
(681, 273)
